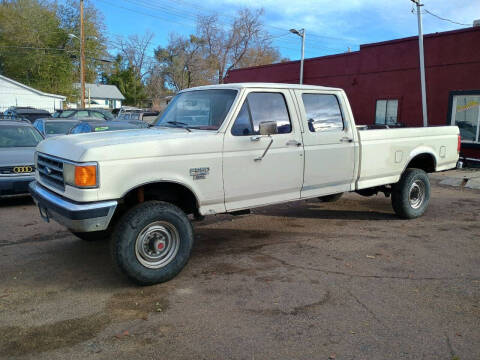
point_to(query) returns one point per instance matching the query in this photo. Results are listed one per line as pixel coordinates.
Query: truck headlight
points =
(83, 176)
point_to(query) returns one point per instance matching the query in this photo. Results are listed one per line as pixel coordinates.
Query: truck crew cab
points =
(224, 149)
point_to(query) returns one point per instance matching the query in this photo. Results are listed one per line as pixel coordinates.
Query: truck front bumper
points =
(78, 217)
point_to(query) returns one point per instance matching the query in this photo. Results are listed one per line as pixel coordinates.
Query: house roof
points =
(61, 97)
(101, 91)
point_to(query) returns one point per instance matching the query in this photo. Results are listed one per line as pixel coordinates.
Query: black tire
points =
(330, 198)
(413, 185)
(93, 236)
(130, 249)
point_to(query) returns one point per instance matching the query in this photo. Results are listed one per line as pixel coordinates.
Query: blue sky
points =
(331, 26)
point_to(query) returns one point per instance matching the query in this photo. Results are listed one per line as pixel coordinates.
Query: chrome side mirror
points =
(268, 128)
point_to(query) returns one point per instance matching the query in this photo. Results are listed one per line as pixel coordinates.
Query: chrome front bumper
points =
(78, 217)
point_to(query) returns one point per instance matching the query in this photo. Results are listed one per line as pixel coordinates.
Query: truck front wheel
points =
(152, 242)
(410, 196)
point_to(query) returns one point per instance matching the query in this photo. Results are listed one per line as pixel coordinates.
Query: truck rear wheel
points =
(152, 242)
(330, 198)
(410, 196)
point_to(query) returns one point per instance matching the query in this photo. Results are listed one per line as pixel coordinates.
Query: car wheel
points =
(152, 242)
(410, 196)
(330, 198)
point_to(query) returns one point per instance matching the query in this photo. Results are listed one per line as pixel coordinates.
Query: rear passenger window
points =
(97, 115)
(323, 112)
(260, 107)
(81, 114)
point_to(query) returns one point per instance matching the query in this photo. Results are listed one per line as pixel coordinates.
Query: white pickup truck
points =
(227, 149)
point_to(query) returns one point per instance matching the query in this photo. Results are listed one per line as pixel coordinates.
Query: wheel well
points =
(173, 193)
(425, 161)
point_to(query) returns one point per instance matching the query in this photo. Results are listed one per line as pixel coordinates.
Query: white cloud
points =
(351, 19)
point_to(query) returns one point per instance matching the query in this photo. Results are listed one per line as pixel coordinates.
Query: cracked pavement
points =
(304, 280)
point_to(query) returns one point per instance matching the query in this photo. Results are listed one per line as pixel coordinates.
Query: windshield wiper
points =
(180, 124)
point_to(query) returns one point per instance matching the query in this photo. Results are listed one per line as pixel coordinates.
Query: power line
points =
(266, 25)
(445, 19)
(191, 18)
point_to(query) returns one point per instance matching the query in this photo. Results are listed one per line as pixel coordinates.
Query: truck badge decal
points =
(199, 173)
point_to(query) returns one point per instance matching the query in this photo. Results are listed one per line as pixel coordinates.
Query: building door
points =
(465, 113)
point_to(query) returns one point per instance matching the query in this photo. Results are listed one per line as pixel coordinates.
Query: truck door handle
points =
(346, 139)
(255, 137)
(294, 143)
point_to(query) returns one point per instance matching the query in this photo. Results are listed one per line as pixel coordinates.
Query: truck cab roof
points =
(250, 85)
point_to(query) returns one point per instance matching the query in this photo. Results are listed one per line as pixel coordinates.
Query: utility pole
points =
(422, 62)
(301, 33)
(82, 58)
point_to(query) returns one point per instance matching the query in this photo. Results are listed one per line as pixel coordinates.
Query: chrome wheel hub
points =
(416, 195)
(157, 244)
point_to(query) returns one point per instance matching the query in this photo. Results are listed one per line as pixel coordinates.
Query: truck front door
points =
(329, 144)
(250, 179)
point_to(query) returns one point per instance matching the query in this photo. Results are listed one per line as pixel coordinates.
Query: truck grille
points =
(50, 170)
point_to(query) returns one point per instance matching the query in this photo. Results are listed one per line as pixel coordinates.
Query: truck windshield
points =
(198, 109)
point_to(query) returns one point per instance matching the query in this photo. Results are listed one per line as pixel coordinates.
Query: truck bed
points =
(384, 153)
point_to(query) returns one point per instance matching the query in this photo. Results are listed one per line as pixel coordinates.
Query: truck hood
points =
(123, 144)
(17, 156)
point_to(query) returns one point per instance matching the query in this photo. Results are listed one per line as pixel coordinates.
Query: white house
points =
(102, 96)
(13, 93)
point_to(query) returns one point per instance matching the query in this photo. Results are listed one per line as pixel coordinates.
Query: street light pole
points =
(82, 58)
(422, 62)
(301, 33)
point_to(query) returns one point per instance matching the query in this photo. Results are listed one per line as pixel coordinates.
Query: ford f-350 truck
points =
(226, 149)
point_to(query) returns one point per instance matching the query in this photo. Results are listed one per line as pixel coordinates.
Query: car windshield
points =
(198, 109)
(18, 136)
(58, 127)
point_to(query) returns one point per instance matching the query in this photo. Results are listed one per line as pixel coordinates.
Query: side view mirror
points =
(268, 128)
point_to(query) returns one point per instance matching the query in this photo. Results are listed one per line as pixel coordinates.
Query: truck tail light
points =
(459, 144)
(86, 176)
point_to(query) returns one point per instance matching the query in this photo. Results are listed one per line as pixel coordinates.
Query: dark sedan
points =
(18, 140)
(99, 114)
(25, 113)
(97, 126)
(54, 127)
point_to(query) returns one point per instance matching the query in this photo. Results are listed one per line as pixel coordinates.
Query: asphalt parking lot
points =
(305, 280)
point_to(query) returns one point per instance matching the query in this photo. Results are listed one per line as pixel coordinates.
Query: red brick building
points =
(382, 81)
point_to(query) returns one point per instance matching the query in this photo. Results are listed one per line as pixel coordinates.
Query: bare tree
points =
(227, 47)
(182, 62)
(134, 49)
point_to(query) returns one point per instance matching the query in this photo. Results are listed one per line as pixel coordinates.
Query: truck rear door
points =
(250, 179)
(329, 144)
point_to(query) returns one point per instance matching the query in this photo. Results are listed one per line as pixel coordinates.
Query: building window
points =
(386, 112)
(466, 115)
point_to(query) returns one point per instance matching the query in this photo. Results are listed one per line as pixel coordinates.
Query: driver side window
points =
(261, 107)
